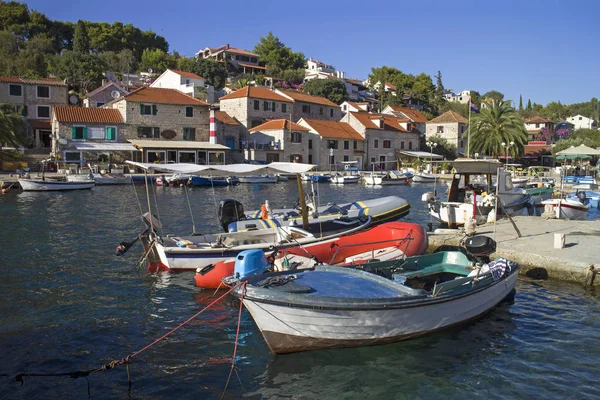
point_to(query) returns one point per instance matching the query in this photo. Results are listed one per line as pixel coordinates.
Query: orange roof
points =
(186, 74)
(353, 81)
(39, 81)
(162, 95)
(225, 118)
(391, 86)
(333, 129)
(86, 114)
(411, 113)
(537, 120)
(101, 88)
(449, 117)
(256, 93)
(308, 98)
(252, 66)
(278, 124)
(240, 51)
(389, 121)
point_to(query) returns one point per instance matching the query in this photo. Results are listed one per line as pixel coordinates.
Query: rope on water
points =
(125, 360)
(237, 336)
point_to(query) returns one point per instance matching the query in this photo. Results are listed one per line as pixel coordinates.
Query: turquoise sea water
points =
(67, 303)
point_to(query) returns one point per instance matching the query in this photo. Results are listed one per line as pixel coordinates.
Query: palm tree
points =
(11, 126)
(498, 122)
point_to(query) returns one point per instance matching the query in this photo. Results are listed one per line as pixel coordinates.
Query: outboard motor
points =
(230, 210)
(581, 196)
(480, 247)
(250, 263)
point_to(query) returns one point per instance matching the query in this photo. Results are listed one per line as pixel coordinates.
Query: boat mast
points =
(302, 202)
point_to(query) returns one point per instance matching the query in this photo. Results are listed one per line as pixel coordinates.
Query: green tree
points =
(333, 89)
(588, 137)
(520, 102)
(32, 58)
(529, 104)
(81, 41)
(157, 60)
(14, 17)
(277, 56)
(443, 148)
(494, 94)
(496, 123)
(81, 71)
(213, 72)
(9, 48)
(11, 128)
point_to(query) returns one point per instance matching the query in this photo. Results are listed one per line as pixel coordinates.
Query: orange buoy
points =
(5, 190)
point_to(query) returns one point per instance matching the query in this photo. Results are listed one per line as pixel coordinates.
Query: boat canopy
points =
(237, 169)
(422, 154)
(470, 166)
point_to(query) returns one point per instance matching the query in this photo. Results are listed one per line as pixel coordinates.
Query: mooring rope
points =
(237, 336)
(127, 359)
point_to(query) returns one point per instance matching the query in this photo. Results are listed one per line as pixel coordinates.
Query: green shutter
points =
(283, 107)
(73, 132)
(111, 133)
(272, 106)
(156, 132)
(85, 132)
(24, 111)
(154, 109)
(141, 109)
(265, 105)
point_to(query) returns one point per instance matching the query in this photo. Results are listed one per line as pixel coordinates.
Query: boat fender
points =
(264, 214)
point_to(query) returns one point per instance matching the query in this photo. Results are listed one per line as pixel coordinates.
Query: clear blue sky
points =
(545, 50)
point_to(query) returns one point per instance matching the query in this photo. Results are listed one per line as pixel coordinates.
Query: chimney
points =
(227, 46)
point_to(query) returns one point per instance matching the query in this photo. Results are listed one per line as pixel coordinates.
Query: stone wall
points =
(243, 110)
(453, 133)
(315, 112)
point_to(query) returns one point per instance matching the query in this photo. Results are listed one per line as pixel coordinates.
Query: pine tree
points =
(529, 104)
(520, 102)
(81, 41)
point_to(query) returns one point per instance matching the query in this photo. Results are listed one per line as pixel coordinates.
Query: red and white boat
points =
(388, 241)
(568, 208)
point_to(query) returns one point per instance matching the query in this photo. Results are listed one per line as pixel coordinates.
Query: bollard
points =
(559, 240)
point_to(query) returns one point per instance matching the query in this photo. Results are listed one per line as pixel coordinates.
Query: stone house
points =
(170, 125)
(539, 128)
(34, 99)
(238, 61)
(313, 107)
(279, 140)
(253, 106)
(230, 132)
(86, 135)
(104, 94)
(385, 135)
(413, 115)
(331, 142)
(351, 106)
(451, 126)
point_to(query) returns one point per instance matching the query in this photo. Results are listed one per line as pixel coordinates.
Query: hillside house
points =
(278, 140)
(451, 126)
(104, 94)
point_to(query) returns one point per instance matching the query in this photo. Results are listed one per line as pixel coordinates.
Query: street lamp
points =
(431, 146)
(506, 146)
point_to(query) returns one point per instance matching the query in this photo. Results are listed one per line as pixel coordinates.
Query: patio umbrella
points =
(581, 149)
(572, 156)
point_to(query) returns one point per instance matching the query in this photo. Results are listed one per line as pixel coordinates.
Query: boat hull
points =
(211, 182)
(568, 209)
(36, 185)
(290, 328)
(112, 180)
(259, 179)
(424, 178)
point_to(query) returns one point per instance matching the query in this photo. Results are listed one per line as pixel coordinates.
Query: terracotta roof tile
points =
(411, 113)
(390, 122)
(241, 51)
(308, 98)
(278, 124)
(333, 129)
(252, 66)
(162, 95)
(256, 93)
(186, 74)
(39, 81)
(86, 114)
(391, 86)
(537, 120)
(449, 117)
(225, 118)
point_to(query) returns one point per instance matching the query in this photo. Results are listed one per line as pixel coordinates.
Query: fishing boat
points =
(173, 180)
(320, 178)
(538, 195)
(392, 177)
(587, 197)
(212, 181)
(332, 306)
(178, 253)
(344, 179)
(383, 209)
(112, 179)
(568, 208)
(424, 177)
(44, 184)
(259, 179)
(469, 198)
(388, 241)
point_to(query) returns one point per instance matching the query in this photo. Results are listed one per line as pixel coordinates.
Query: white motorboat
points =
(112, 179)
(44, 185)
(259, 179)
(342, 179)
(382, 302)
(568, 208)
(392, 177)
(424, 177)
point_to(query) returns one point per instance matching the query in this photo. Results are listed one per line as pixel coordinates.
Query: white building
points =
(581, 122)
(186, 82)
(462, 98)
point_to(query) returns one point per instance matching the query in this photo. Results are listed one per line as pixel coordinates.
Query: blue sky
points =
(544, 50)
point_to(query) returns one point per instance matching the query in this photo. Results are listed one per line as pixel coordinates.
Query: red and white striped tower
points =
(213, 129)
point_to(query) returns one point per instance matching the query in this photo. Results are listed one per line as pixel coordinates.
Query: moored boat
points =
(330, 306)
(112, 179)
(424, 177)
(388, 178)
(259, 179)
(568, 208)
(587, 197)
(44, 185)
(320, 178)
(213, 181)
(343, 179)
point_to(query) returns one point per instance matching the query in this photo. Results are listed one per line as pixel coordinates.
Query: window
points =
(331, 159)
(43, 92)
(269, 106)
(346, 158)
(272, 157)
(402, 145)
(253, 60)
(332, 144)
(346, 145)
(296, 137)
(296, 158)
(355, 145)
(345, 107)
(73, 156)
(580, 118)
(96, 132)
(15, 90)
(43, 111)
(283, 107)
(310, 159)
(189, 112)
(387, 144)
(410, 145)
(462, 129)
(440, 129)
(320, 110)
(148, 109)
(331, 112)
(111, 133)
(372, 159)
(376, 143)
(537, 125)
(189, 134)
(187, 81)
(148, 132)
(78, 132)
(257, 105)
(461, 144)
(306, 109)
(100, 103)
(187, 157)
(309, 144)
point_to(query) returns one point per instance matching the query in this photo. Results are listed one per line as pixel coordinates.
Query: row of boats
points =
(344, 275)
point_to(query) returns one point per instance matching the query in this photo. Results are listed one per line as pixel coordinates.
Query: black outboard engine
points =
(581, 196)
(480, 247)
(230, 210)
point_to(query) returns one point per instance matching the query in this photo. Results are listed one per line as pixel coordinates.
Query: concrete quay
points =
(577, 261)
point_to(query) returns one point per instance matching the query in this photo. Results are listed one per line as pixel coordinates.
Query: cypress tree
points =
(529, 104)
(81, 41)
(520, 102)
